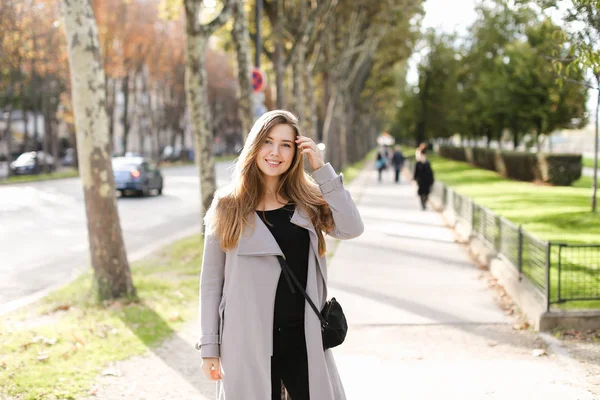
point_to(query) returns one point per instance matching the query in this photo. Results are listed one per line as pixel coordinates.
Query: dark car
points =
(32, 162)
(136, 174)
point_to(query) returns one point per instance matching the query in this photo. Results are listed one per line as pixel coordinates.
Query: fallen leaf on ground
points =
(521, 326)
(62, 307)
(492, 344)
(78, 339)
(42, 357)
(175, 317)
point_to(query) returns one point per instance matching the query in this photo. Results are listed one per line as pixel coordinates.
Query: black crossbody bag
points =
(333, 321)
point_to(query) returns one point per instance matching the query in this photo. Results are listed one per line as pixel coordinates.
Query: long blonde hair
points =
(232, 209)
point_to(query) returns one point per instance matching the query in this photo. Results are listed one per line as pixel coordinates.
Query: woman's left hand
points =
(309, 148)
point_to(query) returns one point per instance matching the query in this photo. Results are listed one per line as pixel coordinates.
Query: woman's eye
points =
(287, 145)
(267, 141)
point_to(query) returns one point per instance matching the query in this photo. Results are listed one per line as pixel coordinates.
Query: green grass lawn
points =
(561, 214)
(558, 214)
(69, 173)
(56, 348)
(588, 162)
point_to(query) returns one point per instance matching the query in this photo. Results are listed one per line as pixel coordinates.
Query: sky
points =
(457, 15)
(449, 16)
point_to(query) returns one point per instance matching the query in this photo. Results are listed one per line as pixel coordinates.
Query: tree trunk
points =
(196, 88)
(331, 104)
(110, 109)
(298, 83)
(47, 132)
(197, 99)
(54, 143)
(241, 39)
(312, 117)
(125, 117)
(107, 248)
(8, 131)
(343, 131)
(595, 177)
(279, 56)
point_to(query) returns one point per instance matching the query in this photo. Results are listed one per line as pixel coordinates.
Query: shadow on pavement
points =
(488, 330)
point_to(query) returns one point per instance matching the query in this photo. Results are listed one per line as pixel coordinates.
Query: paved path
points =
(424, 325)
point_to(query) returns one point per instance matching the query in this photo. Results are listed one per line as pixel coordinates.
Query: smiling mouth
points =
(273, 163)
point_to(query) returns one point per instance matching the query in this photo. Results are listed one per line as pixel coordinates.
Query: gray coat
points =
(237, 296)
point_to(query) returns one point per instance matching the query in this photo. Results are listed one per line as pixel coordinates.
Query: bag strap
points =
(287, 271)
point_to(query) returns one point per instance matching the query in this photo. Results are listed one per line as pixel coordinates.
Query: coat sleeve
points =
(347, 221)
(212, 278)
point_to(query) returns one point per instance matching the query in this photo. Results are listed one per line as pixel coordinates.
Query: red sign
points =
(258, 80)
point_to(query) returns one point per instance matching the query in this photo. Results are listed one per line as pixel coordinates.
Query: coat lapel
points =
(258, 241)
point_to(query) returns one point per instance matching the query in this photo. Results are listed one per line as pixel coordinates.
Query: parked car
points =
(32, 162)
(136, 174)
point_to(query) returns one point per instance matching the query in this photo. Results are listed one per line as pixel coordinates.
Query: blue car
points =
(136, 174)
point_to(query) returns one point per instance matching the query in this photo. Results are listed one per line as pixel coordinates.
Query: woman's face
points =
(276, 154)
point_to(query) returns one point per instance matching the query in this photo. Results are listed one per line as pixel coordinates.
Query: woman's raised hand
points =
(212, 368)
(309, 148)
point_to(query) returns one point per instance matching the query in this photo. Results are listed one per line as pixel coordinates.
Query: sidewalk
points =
(423, 324)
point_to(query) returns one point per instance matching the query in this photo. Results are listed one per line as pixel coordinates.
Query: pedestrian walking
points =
(380, 164)
(397, 162)
(423, 176)
(256, 331)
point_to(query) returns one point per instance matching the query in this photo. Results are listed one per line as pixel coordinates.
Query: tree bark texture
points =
(196, 87)
(298, 85)
(241, 39)
(107, 248)
(125, 118)
(279, 56)
(311, 107)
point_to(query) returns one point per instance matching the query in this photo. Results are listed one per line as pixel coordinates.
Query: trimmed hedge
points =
(560, 169)
(555, 169)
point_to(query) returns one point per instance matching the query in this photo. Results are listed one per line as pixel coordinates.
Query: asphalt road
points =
(43, 234)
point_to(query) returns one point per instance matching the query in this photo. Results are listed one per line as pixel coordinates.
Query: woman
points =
(380, 164)
(423, 176)
(256, 333)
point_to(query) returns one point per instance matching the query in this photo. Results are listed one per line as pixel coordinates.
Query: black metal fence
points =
(560, 271)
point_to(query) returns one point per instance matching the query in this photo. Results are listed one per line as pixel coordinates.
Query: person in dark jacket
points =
(380, 163)
(424, 177)
(398, 162)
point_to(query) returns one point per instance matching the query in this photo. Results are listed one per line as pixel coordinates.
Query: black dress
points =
(289, 362)
(424, 177)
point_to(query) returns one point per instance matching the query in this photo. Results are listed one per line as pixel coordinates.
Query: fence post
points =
(558, 300)
(548, 248)
(472, 215)
(483, 219)
(499, 237)
(520, 252)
